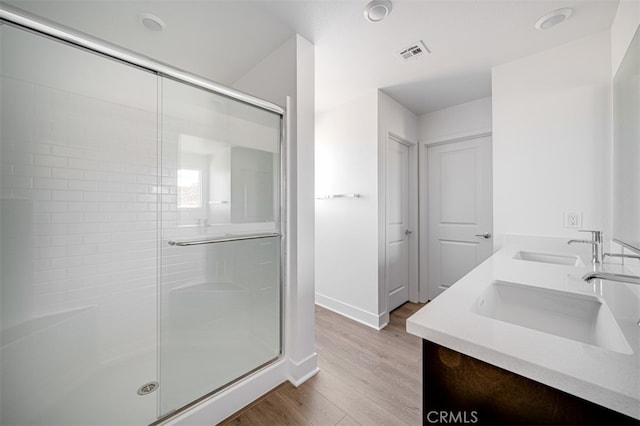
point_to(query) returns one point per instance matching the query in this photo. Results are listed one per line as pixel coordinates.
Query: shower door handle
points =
(224, 239)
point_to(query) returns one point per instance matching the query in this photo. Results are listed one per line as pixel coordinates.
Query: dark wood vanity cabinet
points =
(459, 389)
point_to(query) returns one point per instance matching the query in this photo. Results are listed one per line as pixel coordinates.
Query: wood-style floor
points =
(366, 377)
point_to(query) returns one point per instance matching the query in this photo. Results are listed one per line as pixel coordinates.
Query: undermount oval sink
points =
(580, 317)
(556, 259)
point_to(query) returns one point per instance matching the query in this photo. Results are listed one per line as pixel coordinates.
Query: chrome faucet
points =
(596, 245)
(630, 279)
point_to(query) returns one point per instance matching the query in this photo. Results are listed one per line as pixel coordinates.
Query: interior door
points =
(397, 226)
(460, 222)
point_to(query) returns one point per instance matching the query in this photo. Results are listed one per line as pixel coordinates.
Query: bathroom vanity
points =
(523, 339)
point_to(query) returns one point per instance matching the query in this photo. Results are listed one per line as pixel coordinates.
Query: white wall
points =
(347, 228)
(304, 357)
(396, 118)
(455, 122)
(273, 78)
(624, 27)
(350, 231)
(552, 139)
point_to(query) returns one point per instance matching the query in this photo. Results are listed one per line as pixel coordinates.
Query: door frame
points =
(414, 222)
(424, 198)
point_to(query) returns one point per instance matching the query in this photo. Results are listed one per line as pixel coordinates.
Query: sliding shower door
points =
(140, 246)
(78, 216)
(220, 242)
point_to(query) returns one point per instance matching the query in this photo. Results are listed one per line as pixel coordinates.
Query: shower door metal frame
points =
(77, 38)
(27, 21)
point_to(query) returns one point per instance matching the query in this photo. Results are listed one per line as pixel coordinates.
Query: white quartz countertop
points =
(605, 377)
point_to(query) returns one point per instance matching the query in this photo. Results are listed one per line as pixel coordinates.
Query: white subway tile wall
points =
(88, 169)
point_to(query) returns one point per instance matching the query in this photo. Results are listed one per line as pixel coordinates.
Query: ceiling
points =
(222, 40)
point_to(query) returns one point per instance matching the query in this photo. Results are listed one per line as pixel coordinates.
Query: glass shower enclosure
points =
(140, 229)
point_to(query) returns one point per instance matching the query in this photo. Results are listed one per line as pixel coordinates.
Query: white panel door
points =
(459, 210)
(397, 226)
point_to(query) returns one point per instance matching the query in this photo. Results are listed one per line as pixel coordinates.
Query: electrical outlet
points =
(572, 219)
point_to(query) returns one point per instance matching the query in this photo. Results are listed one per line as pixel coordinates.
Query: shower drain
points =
(147, 388)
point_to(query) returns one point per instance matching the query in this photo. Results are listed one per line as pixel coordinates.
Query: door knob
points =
(486, 235)
(407, 232)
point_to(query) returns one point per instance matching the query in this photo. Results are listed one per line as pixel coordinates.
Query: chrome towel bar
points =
(326, 197)
(225, 239)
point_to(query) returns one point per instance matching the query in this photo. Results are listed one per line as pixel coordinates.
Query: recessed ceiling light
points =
(377, 10)
(151, 22)
(552, 19)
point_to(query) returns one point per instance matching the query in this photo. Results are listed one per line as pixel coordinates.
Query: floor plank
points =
(349, 398)
(348, 421)
(313, 406)
(367, 377)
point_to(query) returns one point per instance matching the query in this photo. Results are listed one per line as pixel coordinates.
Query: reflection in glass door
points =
(220, 249)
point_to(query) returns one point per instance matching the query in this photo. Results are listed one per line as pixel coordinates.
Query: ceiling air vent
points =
(412, 52)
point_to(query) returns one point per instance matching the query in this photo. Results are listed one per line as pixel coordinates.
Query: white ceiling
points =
(221, 40)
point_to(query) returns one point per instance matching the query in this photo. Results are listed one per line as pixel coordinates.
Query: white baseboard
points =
(212, 411)
(300, 372)
(372, 320)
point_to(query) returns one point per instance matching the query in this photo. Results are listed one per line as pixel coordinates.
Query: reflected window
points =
(189, 188)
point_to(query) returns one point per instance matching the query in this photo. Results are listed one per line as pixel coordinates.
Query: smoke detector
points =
(413, 51)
